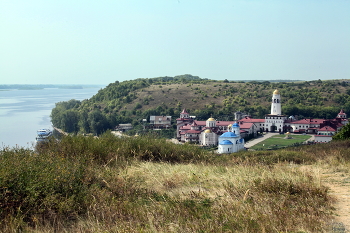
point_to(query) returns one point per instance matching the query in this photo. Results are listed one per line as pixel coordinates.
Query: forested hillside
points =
(132, 101)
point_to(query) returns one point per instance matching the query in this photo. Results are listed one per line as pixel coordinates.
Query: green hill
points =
(132, 101)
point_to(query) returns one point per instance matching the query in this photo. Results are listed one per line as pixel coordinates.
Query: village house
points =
(123, 127)
(160, 122)
(324, 134)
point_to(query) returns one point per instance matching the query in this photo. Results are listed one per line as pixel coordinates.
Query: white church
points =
(231, 141)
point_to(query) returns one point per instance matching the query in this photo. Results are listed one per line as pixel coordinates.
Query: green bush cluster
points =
(57, 180)
(46, 185)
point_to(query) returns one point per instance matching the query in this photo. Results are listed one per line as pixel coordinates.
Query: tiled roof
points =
(246, 125)
(341, 112)
(201, 123)
(193, 131)
(308, 121)
(326, 128)
(185, 127)
(251, 120)
(184, 111)
(224, 123)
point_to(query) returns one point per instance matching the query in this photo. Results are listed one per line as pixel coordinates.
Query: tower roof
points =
(341, 112)
(207, 131)
(184, 111)
(228, 135)
(235, 124)
(226, 142)
(276, 92)
(211, 119)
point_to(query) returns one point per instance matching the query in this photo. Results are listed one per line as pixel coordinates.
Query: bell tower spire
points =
(276, 103)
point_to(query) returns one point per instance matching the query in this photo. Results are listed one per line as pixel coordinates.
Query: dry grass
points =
(118, 189)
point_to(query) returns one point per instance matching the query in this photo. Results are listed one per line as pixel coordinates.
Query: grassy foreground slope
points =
(143, 184)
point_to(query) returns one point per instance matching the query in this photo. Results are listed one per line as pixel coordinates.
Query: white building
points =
(325, 134)
(275, 120)
(208, 138)
(231, 141)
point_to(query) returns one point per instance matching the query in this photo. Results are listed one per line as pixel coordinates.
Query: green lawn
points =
(280, 141)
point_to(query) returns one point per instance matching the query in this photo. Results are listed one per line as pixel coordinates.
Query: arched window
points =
(278, 100)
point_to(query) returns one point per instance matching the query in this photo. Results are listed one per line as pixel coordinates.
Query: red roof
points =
(327, 128)
(224, 123)
(185, 127)
(308, 121)
(184, 111)
(201, 123)
(246, 125)
(193, 131)
(251, 120)
(341, 112)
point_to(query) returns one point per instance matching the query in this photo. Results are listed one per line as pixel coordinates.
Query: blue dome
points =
(235, 125)
(228, 135)
(226, 142)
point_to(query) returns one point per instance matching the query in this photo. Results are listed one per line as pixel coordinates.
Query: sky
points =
(100, 42)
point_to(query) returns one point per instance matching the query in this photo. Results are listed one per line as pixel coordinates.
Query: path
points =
(259, 139)
(339, 187)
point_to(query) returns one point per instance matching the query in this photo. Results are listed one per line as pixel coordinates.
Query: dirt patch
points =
(339, 184)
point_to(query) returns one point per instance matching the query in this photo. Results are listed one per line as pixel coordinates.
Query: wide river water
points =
(23, 112)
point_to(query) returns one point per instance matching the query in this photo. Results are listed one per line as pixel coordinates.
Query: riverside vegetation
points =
(146, 184)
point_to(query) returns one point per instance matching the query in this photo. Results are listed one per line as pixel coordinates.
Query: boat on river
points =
(43, 135)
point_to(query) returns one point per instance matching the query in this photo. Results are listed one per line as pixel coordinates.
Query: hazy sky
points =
(99, 42)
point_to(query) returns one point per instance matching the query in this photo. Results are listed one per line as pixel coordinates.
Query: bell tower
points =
(276, 103)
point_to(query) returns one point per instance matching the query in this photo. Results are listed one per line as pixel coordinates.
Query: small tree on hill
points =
(344, 133)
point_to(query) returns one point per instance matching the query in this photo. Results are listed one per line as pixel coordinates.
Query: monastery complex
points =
(229, 135)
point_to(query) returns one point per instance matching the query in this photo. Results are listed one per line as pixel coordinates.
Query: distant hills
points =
(42, 86)
(134, 100)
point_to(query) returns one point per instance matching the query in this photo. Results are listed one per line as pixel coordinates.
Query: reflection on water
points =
(23, 112)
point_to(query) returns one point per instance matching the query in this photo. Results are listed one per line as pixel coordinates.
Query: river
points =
(23, 112)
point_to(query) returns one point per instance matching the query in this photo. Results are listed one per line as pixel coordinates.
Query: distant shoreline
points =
(45, 86)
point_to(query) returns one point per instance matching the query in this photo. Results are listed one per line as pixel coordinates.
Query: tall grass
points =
(86, 184)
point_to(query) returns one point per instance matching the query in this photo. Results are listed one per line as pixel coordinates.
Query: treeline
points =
(135, 100)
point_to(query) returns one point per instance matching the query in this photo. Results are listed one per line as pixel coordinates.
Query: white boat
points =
(43, 134)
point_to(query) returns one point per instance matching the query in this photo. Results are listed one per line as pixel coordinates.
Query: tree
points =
(70, 120)
(343, 134)
(97, 122)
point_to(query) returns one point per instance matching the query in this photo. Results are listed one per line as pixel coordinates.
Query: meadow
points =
(146, 184)
(280, 141)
